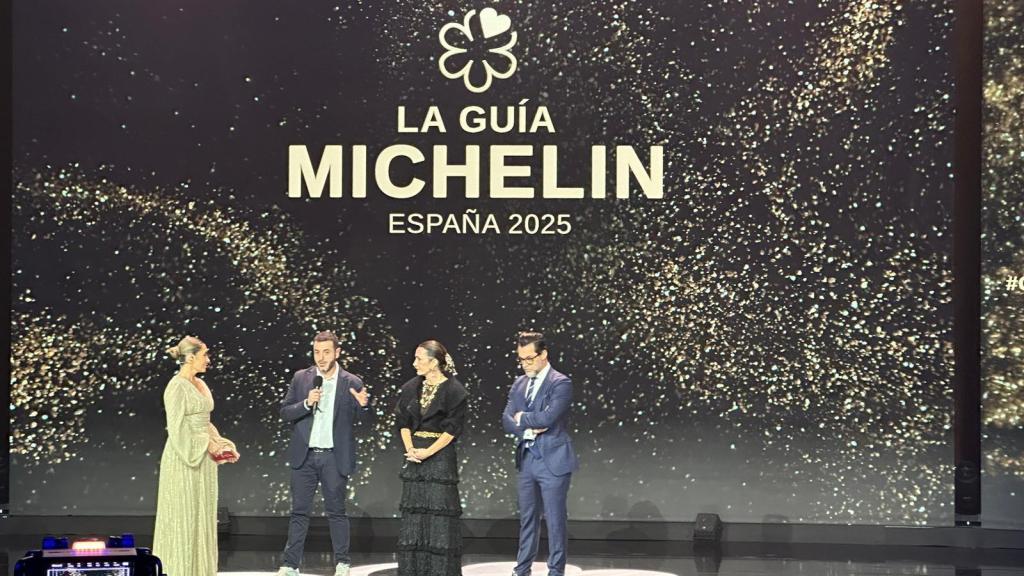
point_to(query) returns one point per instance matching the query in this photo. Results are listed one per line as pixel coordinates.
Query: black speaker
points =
(967, 479)
(707, 528)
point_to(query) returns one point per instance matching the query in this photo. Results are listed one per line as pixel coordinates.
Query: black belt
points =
(322, 449)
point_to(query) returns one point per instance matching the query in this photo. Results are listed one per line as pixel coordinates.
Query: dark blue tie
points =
(529, 402)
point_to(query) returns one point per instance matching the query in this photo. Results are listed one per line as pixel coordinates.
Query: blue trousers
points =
(540, 491)
(318, 469)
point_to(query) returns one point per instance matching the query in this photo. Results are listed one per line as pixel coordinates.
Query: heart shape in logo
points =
(492, 23)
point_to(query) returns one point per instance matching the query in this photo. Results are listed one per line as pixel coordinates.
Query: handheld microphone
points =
(318, 384)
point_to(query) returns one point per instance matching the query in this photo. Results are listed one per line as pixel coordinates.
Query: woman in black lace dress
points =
(430, 413)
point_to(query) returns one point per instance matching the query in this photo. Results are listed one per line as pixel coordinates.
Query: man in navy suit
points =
(323, 403)
(537, 414)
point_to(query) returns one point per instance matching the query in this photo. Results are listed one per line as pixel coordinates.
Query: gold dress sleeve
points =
(215, 435)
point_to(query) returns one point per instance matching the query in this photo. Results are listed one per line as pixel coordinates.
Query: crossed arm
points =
(558, 406)
(508, 420)
(518, 422)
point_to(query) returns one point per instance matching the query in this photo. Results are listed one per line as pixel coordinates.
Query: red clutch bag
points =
(227, 454)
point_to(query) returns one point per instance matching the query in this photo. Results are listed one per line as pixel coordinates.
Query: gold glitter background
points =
(771, 342)
(1003, 249)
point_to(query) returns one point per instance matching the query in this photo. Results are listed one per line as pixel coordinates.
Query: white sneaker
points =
(341, 570)
(287, 571)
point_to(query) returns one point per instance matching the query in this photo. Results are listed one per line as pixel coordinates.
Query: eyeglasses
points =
(528, 359)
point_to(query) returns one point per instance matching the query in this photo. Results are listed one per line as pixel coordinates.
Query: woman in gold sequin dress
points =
(430, 413)
(185, 536)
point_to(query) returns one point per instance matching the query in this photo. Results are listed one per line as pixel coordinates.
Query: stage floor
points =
(260, 556)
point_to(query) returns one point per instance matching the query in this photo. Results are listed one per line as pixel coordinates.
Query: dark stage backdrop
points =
(770, 341)
(1003, 268)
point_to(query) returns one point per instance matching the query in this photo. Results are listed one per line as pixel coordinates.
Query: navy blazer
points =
(550, 410)
(347, 412)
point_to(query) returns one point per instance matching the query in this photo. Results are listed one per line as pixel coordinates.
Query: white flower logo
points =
(497, 61)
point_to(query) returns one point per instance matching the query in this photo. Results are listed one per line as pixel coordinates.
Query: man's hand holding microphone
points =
(313, 400)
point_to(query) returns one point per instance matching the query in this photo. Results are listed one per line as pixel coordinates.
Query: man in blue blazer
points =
(323, 403)
(537, 413)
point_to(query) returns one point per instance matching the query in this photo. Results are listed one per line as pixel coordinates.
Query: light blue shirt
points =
(537, 383)
(528, 435)
(322, 435)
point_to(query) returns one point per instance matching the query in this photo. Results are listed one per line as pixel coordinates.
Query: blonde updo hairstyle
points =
(188, 345)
